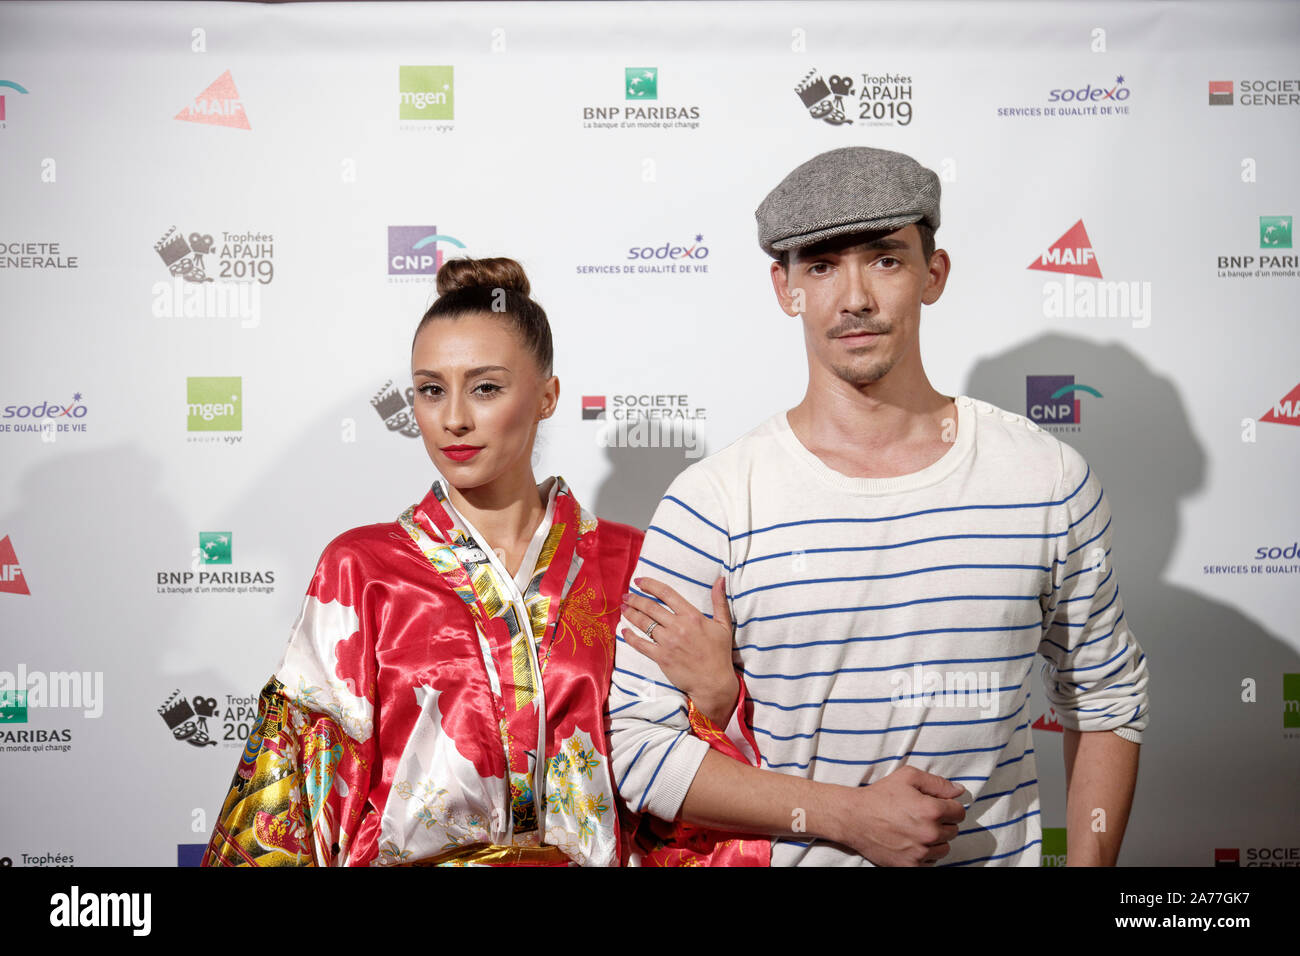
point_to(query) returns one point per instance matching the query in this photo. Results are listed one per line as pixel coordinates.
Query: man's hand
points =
(907, 818)
(692, 651)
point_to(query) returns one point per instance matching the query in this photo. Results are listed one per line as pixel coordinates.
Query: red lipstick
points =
(461, 452)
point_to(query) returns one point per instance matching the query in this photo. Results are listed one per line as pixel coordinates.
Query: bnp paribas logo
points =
(641, 82)
(215, 404)
(1275, 232)
(13, 707)
(214, 547)
(426, 93)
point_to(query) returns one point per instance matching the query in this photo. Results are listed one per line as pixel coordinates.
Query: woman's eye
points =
(429, 389)
(486, 388)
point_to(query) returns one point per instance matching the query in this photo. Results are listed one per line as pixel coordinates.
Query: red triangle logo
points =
(1053, 725)
(218, 105)
(1071, 253)
(11, 575)
(1285, 411)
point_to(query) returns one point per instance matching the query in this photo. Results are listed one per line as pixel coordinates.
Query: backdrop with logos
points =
(221, 223)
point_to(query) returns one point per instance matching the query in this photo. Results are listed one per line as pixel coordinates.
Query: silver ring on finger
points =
(649, 632)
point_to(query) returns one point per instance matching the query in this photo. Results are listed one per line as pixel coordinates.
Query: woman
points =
(442, 698)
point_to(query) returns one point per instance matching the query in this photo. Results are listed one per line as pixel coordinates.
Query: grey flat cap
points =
(852, 189)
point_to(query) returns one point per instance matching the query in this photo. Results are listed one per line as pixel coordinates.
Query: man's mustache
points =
(854, 327)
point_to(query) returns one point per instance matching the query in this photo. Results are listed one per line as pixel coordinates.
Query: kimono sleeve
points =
(655, 753)
(299, 794)
(1095, 672)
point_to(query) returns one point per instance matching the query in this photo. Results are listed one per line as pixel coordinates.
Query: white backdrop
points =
(271, 143)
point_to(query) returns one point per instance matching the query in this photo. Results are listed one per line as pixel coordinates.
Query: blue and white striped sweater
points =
(890, 621)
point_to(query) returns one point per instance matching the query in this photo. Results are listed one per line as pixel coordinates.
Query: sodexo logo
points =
(1115, 92)
(695, 251)
(48, 418)
(413, 250)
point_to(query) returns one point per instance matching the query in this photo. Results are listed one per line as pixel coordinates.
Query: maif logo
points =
(11, 574)
(218, 105)
(1072, 254)
(426, 93)
(1285, 411)
(1049, 722)
(1053, 399)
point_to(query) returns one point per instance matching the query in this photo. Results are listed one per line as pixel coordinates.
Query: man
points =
(895, 560)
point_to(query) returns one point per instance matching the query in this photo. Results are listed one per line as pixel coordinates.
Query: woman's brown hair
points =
(495, 286)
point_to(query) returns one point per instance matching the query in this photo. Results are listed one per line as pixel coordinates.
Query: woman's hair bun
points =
(496, 273)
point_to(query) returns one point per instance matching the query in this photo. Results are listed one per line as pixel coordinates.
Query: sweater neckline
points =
(929, 475)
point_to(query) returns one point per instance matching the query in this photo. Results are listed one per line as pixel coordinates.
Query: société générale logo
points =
(1255, 93)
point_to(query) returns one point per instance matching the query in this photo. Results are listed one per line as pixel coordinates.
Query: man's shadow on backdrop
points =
(1210, 763)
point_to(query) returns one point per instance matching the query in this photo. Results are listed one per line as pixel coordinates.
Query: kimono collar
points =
(439, 518)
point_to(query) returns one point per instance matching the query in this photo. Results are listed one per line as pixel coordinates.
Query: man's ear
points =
(940, 267)
(787, 298)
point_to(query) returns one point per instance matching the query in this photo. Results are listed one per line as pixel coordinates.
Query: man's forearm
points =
(730, 795)
(1100, 775)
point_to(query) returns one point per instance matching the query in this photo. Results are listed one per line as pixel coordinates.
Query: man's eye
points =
(890, 261)
(817, 268)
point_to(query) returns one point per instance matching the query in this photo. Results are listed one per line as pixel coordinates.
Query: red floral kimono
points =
(432, 709)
